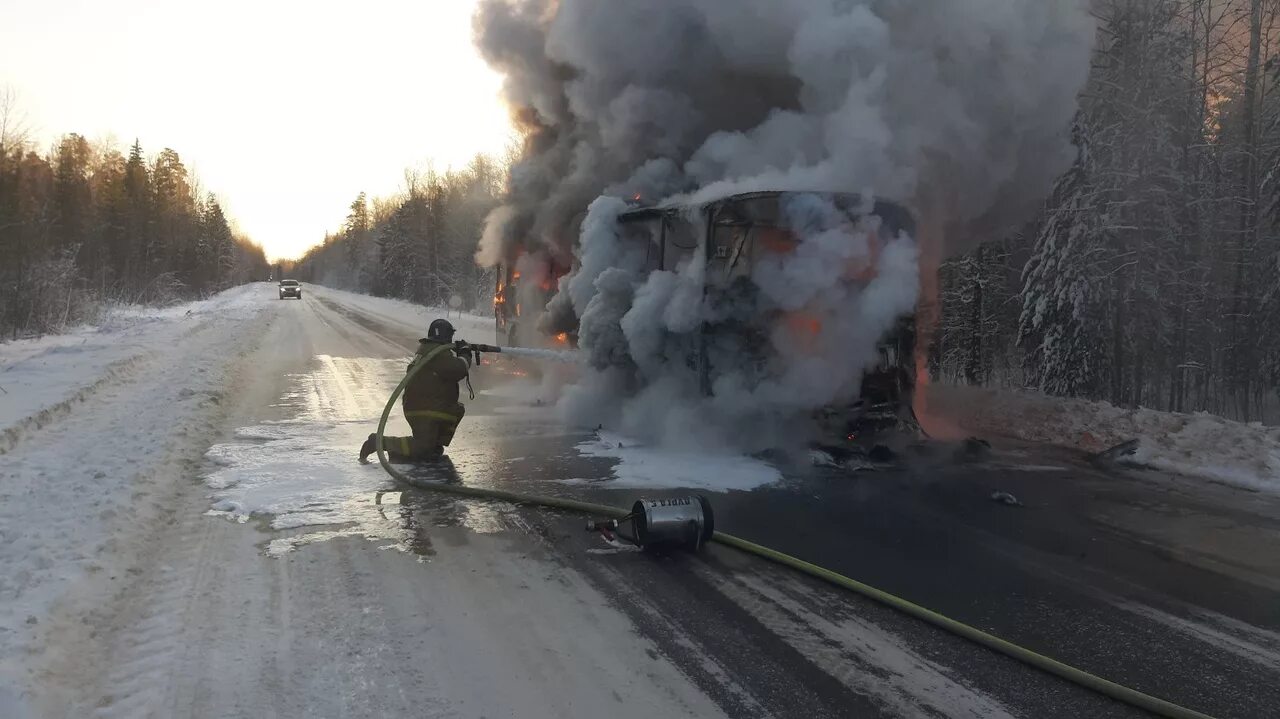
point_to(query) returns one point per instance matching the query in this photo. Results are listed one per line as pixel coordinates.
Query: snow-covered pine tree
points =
(1061, 328)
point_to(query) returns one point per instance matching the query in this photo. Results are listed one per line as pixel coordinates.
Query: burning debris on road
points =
(759, 284)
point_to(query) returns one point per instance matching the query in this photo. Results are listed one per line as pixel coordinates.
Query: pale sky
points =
(285, 109)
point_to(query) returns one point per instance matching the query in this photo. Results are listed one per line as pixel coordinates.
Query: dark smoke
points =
(958, 109)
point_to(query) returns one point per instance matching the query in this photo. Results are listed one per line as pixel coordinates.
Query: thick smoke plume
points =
(958, 109)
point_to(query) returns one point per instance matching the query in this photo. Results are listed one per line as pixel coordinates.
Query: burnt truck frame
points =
(725, 233)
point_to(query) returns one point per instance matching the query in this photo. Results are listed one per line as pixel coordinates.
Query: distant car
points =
(290, 288)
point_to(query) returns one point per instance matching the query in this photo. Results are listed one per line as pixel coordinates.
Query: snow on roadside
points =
(645, 467)
(94, 447)
(470, 327)
(41, 377)
(1200, 444)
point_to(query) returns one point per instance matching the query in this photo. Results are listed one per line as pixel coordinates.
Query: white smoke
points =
(958, 109)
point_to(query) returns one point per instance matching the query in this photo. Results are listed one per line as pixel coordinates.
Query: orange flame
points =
(776, 241)
(801, 324)
(803, 329)
(562, 338)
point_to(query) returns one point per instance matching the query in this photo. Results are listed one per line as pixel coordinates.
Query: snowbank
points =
(41, 378)
(1200, 444)
(96, 427)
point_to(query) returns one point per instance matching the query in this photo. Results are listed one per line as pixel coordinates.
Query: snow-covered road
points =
(186, 533)
(97, 425)
(140, 605)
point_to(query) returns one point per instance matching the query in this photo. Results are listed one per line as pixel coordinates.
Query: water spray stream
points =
(567, 356)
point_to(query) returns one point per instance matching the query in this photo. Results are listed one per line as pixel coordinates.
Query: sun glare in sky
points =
(285, 109)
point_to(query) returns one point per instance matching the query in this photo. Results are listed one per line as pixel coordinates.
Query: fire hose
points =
(1119, 692)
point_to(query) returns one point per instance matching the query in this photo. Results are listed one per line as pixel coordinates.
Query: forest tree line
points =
(1152, 276)
(418, 245)
(83, 225)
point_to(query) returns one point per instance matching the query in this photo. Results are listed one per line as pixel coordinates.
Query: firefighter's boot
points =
(369, 447)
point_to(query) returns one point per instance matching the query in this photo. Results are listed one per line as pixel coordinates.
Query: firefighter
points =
(430, 401)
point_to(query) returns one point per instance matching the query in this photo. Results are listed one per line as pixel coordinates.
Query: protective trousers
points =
(432, 432)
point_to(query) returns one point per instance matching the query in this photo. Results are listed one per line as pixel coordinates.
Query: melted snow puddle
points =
(643, 467)
(302, 473)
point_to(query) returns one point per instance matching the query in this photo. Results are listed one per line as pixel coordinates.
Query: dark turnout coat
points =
(433, 392)
(430, 403)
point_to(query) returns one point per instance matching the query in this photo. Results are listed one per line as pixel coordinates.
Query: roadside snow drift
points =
(97, 425)
(1204, 445)
(41, 378)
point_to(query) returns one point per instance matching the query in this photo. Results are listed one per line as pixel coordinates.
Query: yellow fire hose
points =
(1072, 674)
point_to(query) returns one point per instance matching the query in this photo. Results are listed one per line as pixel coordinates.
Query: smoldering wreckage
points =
(731, 209)
(743, 338)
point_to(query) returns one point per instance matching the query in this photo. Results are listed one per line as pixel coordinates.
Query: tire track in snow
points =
(142, 659)
(87, 499)
(117, 373)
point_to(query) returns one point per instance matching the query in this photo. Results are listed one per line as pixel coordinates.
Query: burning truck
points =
(729, 240)
(526, 282)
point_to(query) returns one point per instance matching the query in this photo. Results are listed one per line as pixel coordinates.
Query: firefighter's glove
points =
(467, 352)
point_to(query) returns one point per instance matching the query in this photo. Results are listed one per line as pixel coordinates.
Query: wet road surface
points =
(356, 596)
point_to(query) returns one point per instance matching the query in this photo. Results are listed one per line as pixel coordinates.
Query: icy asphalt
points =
(257, 570)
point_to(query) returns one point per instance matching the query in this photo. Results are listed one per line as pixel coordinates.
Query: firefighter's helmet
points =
(440, 331)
